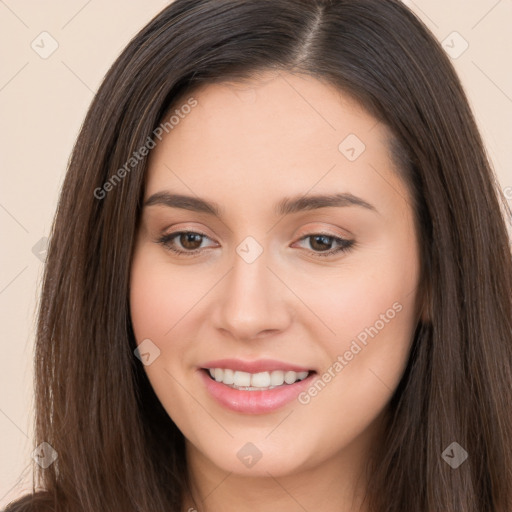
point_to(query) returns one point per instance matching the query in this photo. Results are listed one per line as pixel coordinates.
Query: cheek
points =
(379, 291)
(371, 308)
(161, 296)
(373, 313)
(148, 300)
(158, 309)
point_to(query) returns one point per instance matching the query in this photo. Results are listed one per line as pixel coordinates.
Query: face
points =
(274, 280)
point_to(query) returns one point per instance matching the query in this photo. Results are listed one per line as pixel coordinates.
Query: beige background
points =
(43, 102)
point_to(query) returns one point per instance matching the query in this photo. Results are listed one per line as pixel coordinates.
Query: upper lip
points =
(256, 366)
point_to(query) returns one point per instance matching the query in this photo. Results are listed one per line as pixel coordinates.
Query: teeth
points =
(277, 378)
(255, 381)
(260, 380)
(228, 377)
(241, 378)
(290, 377)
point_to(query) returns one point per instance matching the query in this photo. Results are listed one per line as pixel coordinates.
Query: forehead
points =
(281, 129)
(294, 104)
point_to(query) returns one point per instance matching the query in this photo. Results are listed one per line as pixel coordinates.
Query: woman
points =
(279, 275)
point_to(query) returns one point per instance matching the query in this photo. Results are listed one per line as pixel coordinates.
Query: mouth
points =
(268, 387)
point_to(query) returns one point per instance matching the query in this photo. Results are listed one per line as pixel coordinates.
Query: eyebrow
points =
(286, 206)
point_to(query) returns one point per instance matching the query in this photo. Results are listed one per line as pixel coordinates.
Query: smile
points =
(246, 381)
(256, 387)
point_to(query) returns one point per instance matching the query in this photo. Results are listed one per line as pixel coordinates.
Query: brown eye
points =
(183, 242)
(322, 244)
(190, 240)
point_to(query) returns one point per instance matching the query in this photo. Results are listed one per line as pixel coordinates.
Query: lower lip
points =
(254, 402)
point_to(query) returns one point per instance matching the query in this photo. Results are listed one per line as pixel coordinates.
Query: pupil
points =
(188, 239)
(324, 240)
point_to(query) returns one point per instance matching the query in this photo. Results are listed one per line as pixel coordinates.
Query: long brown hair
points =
(117, 448)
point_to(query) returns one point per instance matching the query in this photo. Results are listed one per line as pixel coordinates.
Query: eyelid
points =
(320, 229)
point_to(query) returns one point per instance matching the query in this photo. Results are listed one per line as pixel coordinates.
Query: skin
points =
(247, 146)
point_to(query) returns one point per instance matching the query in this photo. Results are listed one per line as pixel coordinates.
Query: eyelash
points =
(345, 245)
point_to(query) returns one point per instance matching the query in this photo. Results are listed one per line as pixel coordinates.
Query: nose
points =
(253, 302)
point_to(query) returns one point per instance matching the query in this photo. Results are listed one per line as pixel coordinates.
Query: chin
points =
(260, 459)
